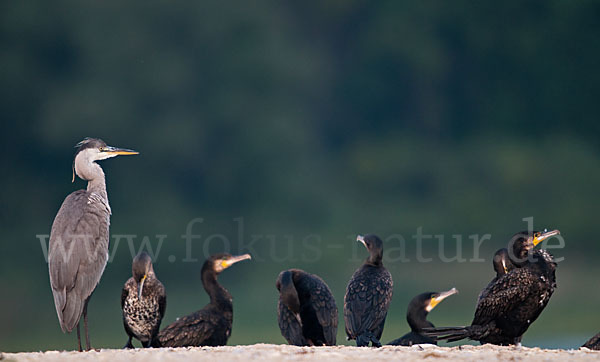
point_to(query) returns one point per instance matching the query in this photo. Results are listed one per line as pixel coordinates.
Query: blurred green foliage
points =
(326, 118)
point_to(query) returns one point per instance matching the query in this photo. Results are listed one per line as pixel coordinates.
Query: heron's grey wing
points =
(290, 327)
(325, 308)
(78, 252)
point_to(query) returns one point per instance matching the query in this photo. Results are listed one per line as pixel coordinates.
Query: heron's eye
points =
(101, 149)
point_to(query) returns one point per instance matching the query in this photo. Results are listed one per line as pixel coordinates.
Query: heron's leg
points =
(85, 324)
(79, 338)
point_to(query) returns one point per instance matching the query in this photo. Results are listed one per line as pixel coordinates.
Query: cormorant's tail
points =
(364, 339)
(449, 334)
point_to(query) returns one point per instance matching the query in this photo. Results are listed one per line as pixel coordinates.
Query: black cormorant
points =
(502, 265)
(306, 310)
(593, 343)
(143, 302)
(416, 315)
(507, 307)
(368, 296)
(210, 326)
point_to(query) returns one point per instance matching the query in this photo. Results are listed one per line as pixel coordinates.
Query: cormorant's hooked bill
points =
(361, 239)
(141, 286)
(538, 237)
(235, 259)
(436, 299)
(141, 266)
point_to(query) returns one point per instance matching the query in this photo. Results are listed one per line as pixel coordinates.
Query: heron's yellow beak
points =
(118, 151)
(229, 262)
(539, 237)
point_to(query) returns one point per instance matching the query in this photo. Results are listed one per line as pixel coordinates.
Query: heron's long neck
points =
(92, 173)
(98, 184)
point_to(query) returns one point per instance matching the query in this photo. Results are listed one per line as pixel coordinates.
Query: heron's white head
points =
(94, 149)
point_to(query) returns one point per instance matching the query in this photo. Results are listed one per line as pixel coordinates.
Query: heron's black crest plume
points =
(89, 142)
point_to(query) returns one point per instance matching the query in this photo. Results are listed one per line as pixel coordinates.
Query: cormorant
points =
(416, 315)
(143, 301)
(368, 296)
(306, 310)
(502, 265)
(210, 326)
(507, 307)
(78, 249)
(593, 343)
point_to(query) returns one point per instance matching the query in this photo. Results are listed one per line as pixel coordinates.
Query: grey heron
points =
(78, 249)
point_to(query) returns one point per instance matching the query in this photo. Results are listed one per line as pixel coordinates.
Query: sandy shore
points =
(271, 352)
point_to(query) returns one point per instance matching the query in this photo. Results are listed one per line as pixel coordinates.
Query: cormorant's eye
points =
(536, 235)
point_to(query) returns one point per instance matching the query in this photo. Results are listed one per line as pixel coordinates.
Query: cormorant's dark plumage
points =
(368, 296)
(593, 343)
(210, 326)
(502, 265)
(306, 310)
(508, 306)
(143, 302)
(416, 315)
